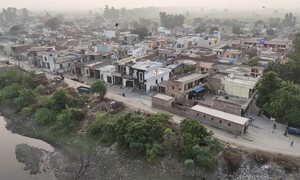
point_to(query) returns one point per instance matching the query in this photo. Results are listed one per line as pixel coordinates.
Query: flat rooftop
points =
(146, 65)
(163, 97)
(220, 114)
(191, 76)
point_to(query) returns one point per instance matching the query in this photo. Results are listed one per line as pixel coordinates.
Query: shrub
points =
(59, 100)
(45, 116)
(70, 116)
(40, 90)
(189, 163)
(154, 151)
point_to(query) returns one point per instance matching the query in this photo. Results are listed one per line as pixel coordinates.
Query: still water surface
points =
(10, 168)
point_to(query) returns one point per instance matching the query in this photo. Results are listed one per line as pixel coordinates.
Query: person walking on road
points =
(292, 143)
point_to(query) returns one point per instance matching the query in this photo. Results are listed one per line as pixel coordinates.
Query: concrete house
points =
(147, 75)
(239, 86)
(232, 123)
(106, 73)
(56, 63)
(184, 87)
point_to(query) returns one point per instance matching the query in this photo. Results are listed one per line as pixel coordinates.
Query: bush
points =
(189, 163)
(154, 151)
(59, 100)
(27, 111)
(40, 90)
(26, 98)
(8, 93)
(104, 126)
(45, 116)
(70, 116)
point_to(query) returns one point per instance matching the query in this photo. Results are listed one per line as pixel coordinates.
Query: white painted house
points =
(106, 73)
(148, 74)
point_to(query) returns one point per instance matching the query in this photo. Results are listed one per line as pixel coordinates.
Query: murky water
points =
(10, 168)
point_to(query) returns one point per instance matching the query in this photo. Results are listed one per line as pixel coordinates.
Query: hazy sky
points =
(92, 4)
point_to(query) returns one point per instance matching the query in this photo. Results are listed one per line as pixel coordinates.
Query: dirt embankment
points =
(109, 162)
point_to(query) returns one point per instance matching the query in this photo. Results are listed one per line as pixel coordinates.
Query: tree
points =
(287, 97)
(275, 22)
(266, 88)
(53, 23)
(171, 21)
(292, 116)
(15, 29)
(141, 31)
(10, 14)
(99, 87)
(136, 132)
(213, 29)
(289, 20)
(270, 32)
(25, 13)
(191, 134)
(237, 29)
(200, 29)
(252, 62)
(258, 22)
(59, 100)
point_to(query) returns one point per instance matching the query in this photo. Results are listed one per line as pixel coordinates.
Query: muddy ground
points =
(108, 162)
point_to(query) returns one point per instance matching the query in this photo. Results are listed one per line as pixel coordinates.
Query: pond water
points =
(10, 168)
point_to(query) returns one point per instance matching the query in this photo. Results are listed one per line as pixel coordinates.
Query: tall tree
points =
(99, 87)
(53, 23)
(10, 14)
(266, 88)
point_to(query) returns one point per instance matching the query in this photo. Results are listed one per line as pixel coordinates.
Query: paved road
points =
(259, 136)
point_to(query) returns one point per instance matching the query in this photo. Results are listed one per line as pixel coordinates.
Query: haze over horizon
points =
(95, 4)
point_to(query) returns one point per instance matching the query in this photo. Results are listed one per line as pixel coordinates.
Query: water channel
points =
(10, 167)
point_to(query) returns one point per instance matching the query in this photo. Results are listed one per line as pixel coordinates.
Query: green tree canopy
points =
(59, 100)
(266, 88)
(171, 21)
(99, 87)
(141, 31)
(270, 32)
(53, 23)
(288, 96)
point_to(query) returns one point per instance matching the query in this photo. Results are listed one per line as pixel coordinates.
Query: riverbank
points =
(71, 161)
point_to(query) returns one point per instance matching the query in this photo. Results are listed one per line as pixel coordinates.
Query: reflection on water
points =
(10, 168)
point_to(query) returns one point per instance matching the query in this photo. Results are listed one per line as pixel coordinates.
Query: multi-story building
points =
(184, 87)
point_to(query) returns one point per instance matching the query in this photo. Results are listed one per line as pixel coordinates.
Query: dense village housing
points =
(206, 75)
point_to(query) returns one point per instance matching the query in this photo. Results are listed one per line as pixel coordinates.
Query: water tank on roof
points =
(231, 76)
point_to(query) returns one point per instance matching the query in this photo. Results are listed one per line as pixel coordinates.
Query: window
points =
(156, 81)
(61, 66)
(172, 87)
(220, 121)
(197, 114)
(212, 119)
(204, 116)
(141, 78)
(45, 58)
(162, 78)
(87, 71)
(229, 124)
